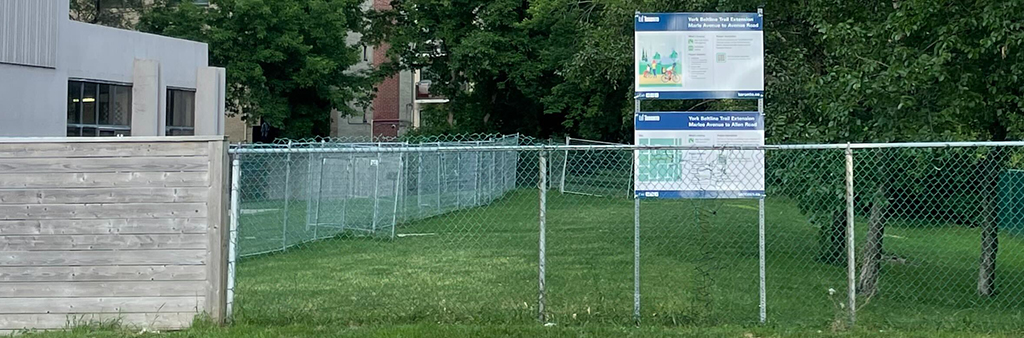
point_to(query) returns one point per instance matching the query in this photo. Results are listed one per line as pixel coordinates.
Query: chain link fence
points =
(305, 191)
(471, 230)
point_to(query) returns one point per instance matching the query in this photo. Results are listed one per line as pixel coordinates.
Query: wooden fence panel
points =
(125, 229)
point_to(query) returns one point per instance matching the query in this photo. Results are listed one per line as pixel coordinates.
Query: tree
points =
(288, 61)
(927, 71)
(921, 70)
(113, 13)
(539, 67)
(479, 53)
(836, 71)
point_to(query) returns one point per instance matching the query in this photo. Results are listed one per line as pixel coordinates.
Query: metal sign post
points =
(762, 293)
(636, 235)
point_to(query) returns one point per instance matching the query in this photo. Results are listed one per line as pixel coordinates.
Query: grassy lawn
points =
(473, 272)
(528, 331)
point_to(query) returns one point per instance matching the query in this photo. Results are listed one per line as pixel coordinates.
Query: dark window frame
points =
(176, 130)
(95, 129)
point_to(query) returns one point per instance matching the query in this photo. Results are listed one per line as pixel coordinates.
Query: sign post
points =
(636, 235)
(682, 56)
(762, 299)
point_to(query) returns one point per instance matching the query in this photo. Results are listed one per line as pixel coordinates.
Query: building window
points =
(99, 109)
(181, 112)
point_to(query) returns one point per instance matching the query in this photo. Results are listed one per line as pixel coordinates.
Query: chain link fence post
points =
(543, 186)
(458, 180)
(851, 268)
(376, 192)
(236, 173)
(440, 190)
(351, 193)
(287, 195)
(319, 200)
(309, 192)
(399, 195)
(419, 182)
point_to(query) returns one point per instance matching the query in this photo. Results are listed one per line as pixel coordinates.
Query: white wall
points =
(103, 53)
(33, 101)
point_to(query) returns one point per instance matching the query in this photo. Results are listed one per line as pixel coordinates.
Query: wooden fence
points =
(97, 230)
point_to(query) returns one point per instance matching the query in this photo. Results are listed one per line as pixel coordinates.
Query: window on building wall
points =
(358, 118)
(99, 109)
(181, 112)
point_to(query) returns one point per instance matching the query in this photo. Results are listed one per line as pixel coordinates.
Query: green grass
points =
(474, 273)
(262, 226)
(699, 268)
(429, 330)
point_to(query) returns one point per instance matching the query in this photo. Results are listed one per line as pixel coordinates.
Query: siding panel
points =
(104, 226)
(103, 273)
(28, 32)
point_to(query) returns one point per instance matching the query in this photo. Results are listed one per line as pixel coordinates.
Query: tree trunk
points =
(989, 247)
(991, 168)
(99, 8)
(871, 263)
(833, 239)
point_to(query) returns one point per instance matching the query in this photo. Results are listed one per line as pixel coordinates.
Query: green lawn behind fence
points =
(473, 272)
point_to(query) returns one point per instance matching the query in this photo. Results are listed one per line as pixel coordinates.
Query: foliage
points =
(480, 55)
(920, 70)
(288, 62)
(113, 13)
(836, 71)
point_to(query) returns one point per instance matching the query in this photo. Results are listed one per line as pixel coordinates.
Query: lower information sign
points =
(704, 173)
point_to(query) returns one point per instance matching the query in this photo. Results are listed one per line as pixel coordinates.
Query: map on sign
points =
(699, 55)
(703, 173)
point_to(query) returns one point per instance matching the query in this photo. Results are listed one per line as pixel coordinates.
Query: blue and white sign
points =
(706, 173)
(699, 56)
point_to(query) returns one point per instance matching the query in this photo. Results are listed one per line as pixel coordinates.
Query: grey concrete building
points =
(60, 77)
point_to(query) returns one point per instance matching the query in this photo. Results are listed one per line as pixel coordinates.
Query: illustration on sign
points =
(699, 55)
(705, 173)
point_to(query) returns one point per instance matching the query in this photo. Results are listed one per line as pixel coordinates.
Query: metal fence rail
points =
(479, 230)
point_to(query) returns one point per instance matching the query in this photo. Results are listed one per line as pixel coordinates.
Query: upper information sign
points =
(699, 56)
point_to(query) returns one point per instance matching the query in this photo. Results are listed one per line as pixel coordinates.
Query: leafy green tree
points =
(112, 13)
(836, 71)
(480, 55)
(288, 62)
(924, 70)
